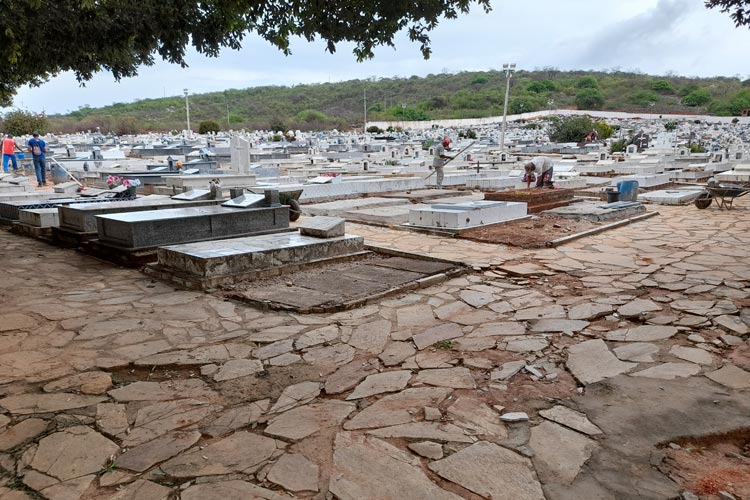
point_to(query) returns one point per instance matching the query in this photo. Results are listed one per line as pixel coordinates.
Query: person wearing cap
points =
(38, 149)
(439, 160)
(9, 153)
(541, 168)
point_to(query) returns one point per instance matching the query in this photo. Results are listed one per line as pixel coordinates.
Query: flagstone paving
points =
(114, 385)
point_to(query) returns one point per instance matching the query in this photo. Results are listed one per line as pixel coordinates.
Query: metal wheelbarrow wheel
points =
(294, 209)
(703, 201)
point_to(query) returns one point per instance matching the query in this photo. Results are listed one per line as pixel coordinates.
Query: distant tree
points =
(671, 126)
(374, 129)
(470, 134)
(525, 104)
(589, 98)
(644, 97)
(235, 118)
(437, 102)
(126, 125)
(697, 148)
(570, 128)
(662, 86)
(541, 86)
(311, 115)
(587, 82)
(208, 126)
(43, 39)
(697, 97)
(277, 125)
(24, 123)
(480, 80)
(735, 121)
(604, 130)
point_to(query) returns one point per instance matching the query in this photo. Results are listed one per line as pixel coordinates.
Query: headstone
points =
(323, 227)
(246, 201)
(236, 192)
(272, 197)
(194, 195)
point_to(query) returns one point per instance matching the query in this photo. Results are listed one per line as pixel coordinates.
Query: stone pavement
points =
(115, 386)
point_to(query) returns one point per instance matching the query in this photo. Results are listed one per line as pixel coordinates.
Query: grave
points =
(672, 196)
(598, 211)
(645, 181)
(320, 268)
(460, 216)
(340, 207)
(78, 222)
(201, 181)
(211, 264)
(36, 222)
(39, 217)
(153, 228)
(493, 183)
(536, 200)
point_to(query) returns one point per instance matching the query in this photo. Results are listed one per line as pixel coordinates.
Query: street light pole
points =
(508, 69)
(187, 110)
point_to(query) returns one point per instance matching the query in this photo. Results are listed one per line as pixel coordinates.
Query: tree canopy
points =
(40, 38)
(738, 10)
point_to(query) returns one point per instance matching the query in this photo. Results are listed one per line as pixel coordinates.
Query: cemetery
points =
(227, 316)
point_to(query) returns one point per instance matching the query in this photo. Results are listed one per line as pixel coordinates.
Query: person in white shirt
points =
(541, 168)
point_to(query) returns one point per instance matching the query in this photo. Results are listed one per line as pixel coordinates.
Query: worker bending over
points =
(540, 168)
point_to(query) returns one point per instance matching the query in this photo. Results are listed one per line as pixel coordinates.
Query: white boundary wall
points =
(491, 120)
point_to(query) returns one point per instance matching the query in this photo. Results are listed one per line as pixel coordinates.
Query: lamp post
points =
(508, 68)
(187, 110)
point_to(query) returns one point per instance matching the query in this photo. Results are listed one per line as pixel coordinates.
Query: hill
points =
(442, 96)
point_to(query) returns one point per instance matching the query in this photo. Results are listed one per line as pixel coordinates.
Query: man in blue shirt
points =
(38, 148)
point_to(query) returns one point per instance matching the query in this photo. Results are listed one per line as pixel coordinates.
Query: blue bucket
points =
(628, 190)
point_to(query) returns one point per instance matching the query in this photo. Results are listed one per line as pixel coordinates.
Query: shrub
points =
(587, 82)
(603, 129)
(541, 86)
(208, 127)
(24, 122)
(618, 146)
(311, 115)
(697, 148)
(697, 97)
(670, 126)
(589, 98)
(662, 86)
(374, 129)
(644, 97)
(570, 128)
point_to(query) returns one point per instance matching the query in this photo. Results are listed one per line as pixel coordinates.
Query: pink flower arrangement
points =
(114, 181)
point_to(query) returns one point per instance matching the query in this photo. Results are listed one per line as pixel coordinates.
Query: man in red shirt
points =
(9, 153)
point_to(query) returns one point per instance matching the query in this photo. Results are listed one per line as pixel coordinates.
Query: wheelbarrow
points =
(723, 194)
(291, 199)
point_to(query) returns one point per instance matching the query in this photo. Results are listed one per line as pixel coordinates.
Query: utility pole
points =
(187, 110)
(364, 129)
(508, 69)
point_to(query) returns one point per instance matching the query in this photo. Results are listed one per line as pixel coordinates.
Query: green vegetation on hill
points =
(442, 96)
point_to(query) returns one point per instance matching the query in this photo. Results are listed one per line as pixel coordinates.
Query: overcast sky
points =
(653, 36)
